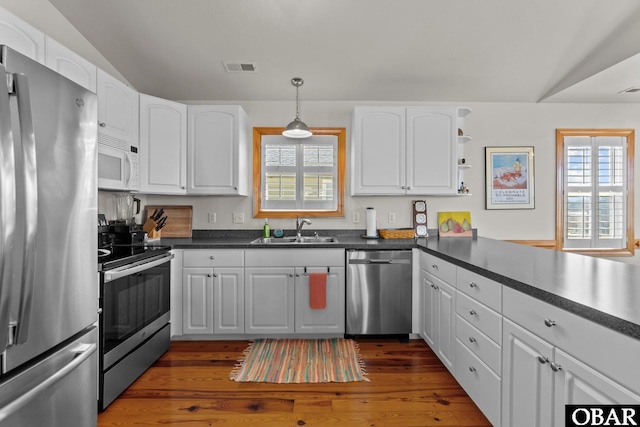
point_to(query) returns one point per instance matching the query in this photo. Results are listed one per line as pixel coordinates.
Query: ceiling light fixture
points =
(297, 128)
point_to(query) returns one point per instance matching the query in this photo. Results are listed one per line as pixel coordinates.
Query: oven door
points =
(135, 305)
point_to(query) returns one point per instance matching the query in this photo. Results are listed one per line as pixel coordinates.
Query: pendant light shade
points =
(297, 128)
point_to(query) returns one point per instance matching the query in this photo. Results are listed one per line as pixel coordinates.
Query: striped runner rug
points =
(300, 361)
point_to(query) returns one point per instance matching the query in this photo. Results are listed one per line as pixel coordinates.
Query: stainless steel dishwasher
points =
(378, 292)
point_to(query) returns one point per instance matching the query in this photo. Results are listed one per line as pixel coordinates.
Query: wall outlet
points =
(392, 217)
(356, 217)
(238, 217)
(212, 217)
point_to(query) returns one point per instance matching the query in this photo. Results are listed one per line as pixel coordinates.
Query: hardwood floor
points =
(189, 386)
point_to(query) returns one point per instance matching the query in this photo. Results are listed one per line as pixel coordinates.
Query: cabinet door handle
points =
(549, 323)
(555, 367)
(209, 275)
(543, 359)
(212, 257)
(472, 284)
(102, 124)
(472, 369)
(434, 266)
(297, 274)
(215, 274)
(290, 274)
(472, 339)
(436, 287)
(409, 188)
(472, 312)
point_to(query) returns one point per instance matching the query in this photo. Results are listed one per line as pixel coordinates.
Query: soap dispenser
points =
(266, 230)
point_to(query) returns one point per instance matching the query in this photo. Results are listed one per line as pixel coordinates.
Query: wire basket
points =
(397, 233)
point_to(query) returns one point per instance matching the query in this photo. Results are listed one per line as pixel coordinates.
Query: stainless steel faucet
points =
(299, 224)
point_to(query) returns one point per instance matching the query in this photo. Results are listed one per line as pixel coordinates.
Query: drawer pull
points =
(472, 369)
(212, 257)
(543, 359)
(549, 323)
(434, 266)
(555, 367)
(472, 312)
(472, 339)
(472, 284)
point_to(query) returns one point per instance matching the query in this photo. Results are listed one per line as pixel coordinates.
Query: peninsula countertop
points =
(604, 291)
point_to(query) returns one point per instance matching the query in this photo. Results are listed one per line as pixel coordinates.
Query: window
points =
(595, 191)
(298, 176)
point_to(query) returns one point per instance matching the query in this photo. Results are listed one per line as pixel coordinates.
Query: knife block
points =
(150, 228)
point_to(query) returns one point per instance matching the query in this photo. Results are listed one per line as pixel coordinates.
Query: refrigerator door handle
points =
(7, 209)
(82, 353)
(31, 206)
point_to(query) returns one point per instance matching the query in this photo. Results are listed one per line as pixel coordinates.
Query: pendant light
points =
(297, 128)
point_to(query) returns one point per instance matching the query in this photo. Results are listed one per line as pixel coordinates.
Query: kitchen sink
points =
(295, 240)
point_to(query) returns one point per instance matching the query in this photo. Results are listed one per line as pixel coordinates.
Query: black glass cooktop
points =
(118, 255)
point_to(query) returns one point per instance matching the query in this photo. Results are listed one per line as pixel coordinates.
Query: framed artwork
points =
(509, 178)
(454, 224)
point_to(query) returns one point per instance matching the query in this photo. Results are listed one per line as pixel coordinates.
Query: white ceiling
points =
(370, 50)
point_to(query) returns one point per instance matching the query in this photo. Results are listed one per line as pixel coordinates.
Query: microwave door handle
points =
(31, 206)
(7, 209)
(129, 170)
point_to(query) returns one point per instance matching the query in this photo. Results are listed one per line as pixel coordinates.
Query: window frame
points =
(628, 248)
(260, 212)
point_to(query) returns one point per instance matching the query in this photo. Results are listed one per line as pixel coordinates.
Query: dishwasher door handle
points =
(379, 261)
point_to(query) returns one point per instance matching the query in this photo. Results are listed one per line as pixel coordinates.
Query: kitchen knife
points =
(155, 212)
(161, 223)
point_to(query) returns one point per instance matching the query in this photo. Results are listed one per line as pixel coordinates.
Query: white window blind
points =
(595, 192)
(299, 175)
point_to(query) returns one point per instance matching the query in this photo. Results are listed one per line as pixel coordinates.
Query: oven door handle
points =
(116, 274)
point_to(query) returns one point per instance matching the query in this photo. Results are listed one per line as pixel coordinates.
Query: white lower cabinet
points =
(212, 292)
(269, 300)
(438, 319)
(328, 320)
(277, 297)
(219, 296)
(213, 301)
(542, 371)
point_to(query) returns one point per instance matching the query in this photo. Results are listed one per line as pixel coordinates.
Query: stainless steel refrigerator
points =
(48, 241)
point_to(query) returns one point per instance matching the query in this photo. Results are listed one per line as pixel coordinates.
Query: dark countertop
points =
(604, 291)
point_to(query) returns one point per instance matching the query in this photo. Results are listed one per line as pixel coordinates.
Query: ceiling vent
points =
(633, 89)
(240, 67)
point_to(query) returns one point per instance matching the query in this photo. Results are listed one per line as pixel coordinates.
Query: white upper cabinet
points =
(217, 143)
(404, 150)
(117, 111)
(71, 65)
(22, 37)
(163, 146)
(378, 151)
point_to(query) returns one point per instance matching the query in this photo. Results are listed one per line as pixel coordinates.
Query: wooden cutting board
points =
(178, 219)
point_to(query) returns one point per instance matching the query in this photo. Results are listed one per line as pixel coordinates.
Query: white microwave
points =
(118, 168)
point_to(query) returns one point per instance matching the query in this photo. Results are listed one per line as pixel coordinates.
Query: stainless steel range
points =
(134, 328)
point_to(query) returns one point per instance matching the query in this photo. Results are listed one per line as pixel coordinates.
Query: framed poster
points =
(509, 178)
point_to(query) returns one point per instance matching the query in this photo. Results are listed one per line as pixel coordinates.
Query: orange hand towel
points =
(318, 290)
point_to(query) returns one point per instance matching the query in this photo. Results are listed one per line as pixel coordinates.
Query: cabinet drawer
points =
(438, 267)
(592, 343)
(480, 316)
(480, 344)
(213, 258)
(480, 288)
(480, 383)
